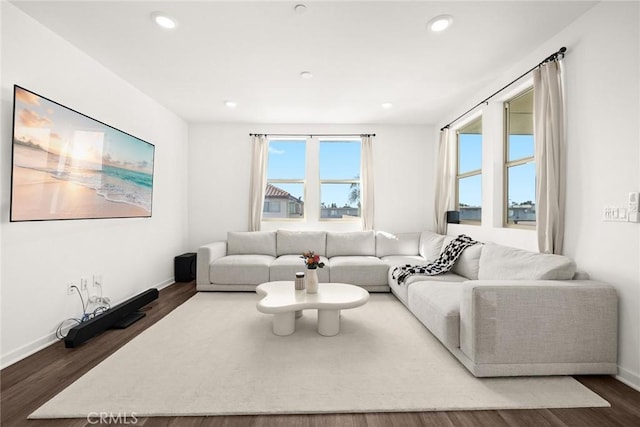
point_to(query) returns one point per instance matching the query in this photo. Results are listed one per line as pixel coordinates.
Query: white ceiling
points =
(361, 54)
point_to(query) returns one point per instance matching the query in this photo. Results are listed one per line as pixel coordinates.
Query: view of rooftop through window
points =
(339, 178)
(286, 166)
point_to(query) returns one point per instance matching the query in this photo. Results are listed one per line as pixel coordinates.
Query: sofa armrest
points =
(206, 255)
(538, 321)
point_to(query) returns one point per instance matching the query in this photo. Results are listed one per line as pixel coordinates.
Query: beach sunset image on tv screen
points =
(69, 166)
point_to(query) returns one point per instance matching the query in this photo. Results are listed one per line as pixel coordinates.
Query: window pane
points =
(286, 159)
(470, 198)
(520, 126)
(340, 200)
(520, 147)
(469, 152)
(339, 159)
(283, 200)
(521, 193)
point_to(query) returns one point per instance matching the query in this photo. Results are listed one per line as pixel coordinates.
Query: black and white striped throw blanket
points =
(442, 264)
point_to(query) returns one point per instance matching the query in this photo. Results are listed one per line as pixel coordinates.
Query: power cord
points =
(102, 308)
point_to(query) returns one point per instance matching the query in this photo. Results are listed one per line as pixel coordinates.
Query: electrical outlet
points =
(70, 288)
(83, 283)
(97, 280)
(614, 214)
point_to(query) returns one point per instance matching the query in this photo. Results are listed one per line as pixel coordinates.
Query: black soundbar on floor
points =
(119, 317)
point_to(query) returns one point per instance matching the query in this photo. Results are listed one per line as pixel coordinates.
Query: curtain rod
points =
(554, 56)
(312, 135)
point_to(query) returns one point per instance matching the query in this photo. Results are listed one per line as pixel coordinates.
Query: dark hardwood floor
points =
(28, 384)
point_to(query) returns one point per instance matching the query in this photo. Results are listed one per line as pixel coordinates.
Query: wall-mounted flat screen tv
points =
(67, 165)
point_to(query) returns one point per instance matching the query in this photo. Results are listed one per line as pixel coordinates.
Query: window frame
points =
(277, 181)
(507, 164)
(468, 174)
(349, 181)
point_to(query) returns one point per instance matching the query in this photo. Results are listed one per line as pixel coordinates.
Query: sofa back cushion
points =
(499, 262)
(397, 244)
(358, 243)
(296, 242)
(430, 245)
(468, 263)
(251, 243)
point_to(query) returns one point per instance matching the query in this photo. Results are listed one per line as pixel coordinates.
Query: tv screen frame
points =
(66, 165)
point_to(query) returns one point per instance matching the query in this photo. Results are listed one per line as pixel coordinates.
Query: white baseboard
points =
(629, 378)
(165, 283)
(27, 350)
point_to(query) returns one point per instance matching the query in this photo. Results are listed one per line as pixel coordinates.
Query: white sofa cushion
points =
(499, 262)
(285, 267)
(251, 243)
(241, 269)
(401, 290)
(296, 242)
(358, 243)
(394, 260)
(358, 270)
(397, 244)
(437, 306)
(430, 245)
(469, 262)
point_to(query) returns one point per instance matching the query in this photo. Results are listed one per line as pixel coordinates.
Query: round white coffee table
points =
(284, 302)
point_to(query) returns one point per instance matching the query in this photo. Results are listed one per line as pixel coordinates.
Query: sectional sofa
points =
(501, 311)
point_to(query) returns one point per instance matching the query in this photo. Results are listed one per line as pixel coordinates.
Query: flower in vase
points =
(311, 260)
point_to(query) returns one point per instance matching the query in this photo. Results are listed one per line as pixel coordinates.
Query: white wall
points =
(39, 258)
(603, 106)
(220, 161)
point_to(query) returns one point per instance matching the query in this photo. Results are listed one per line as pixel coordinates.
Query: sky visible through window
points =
(522, 182)
(341, 160)
(338, 160)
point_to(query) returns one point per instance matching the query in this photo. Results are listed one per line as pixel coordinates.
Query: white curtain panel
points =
(258, 183)
(366, 191)
(549, 137)
(445, 180)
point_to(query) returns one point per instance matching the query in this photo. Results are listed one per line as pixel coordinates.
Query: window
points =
(284, 195)
(469, 173)
(520, 168)
(340, 179)
(271, 206)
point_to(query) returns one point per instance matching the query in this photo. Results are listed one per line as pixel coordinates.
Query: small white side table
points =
(285, 303)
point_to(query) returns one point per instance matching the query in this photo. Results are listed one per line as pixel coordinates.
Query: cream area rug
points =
(216, 355)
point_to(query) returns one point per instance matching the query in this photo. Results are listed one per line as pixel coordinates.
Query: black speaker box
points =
(185, 267)
(453, 217)
(118, 317)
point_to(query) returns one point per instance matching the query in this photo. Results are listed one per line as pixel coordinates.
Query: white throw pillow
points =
(469, 262)
(251, 243)
(499, 262)
(431, 245)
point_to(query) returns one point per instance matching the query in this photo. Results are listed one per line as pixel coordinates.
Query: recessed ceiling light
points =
(306, 75)
(163, 20)
(231, 104)
(387, 105)
(300, 9)
(440, 23)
